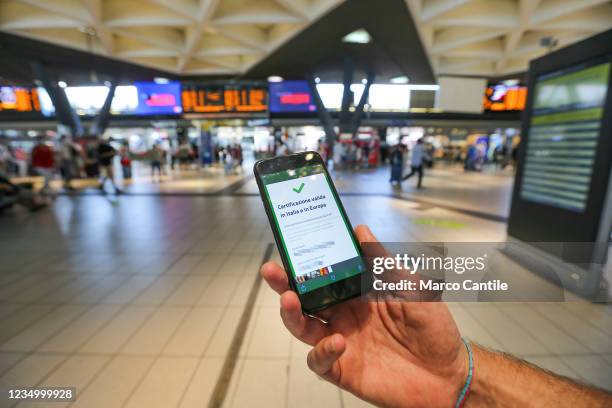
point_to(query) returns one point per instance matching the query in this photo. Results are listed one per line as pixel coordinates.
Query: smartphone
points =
(314, 237)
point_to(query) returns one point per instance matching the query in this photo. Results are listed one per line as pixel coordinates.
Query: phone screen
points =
(315, 235)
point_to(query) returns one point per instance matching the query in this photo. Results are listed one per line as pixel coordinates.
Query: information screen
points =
(314, 234)
(224, 98)
(501, 98)
(563, 136)
(291, 96)
(19, 99)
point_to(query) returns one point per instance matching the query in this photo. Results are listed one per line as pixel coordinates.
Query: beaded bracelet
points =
(468, 382)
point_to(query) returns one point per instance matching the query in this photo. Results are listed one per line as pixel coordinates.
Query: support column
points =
(347, 81)
(358, 115)
(101, 121)
(324, 116)
(64, 113)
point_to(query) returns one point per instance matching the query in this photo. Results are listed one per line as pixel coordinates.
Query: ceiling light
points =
(511, 82)
(161, 80)
(275, 78)
(360, 36)
(107, 84)
(317, 80)
(402, 79)
(364, 81)
(62, 84)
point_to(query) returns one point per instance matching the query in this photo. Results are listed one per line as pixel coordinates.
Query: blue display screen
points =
(291, 96)
(158, 99)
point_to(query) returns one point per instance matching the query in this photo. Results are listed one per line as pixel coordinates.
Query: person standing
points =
(396, 157)
(43, 163)
(106, 154)
(416, 162)
(126, 161)
(156, 156)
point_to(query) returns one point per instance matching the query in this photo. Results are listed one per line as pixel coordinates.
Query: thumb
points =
(370, 245)
(323, 358)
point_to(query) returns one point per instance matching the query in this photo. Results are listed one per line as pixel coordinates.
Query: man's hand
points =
(391, 353)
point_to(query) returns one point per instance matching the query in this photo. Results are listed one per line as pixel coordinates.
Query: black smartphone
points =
(314, 237)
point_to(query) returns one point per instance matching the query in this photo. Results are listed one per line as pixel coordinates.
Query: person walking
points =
(106, 154)
(416, 162)
(43, 163)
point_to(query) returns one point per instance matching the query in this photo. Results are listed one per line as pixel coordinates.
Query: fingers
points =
(306, 329)
(323, 359)
(276, 277)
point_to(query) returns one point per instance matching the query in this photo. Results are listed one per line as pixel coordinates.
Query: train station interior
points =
(134, 221)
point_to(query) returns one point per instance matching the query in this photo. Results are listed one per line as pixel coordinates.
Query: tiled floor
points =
(135, 301)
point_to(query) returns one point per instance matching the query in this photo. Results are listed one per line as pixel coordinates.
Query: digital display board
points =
(500, 97)
(158, 99)
(229, 98)
(19, 99)
(564, 131)
(291, 96)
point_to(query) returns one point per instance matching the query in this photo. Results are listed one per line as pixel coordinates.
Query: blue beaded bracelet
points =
(468, 382)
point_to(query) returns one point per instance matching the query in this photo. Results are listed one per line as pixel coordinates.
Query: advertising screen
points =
(158, 99)
(233, 98)
(291, 96)
(564, 132)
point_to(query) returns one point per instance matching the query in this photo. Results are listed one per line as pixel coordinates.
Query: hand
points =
(390, 353)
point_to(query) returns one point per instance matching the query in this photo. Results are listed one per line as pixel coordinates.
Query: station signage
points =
(19, 99)
(227, 98)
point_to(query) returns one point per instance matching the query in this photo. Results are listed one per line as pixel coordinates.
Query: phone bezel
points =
(333, 293)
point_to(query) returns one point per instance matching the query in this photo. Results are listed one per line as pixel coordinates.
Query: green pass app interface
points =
(314, 234)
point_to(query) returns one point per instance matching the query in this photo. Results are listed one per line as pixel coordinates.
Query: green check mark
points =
(298, 189)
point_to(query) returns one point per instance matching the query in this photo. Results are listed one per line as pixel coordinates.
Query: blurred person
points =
(374, 155)
(396, 158)
(126, 161)
(236, 153)
(106, 154)
(156, 157)
(358, 156)
(184, 155)
(395, 353)
(338, 155)
(416, 162)
(43, 163)
(228, 163)
(282, 149)
(11, 194)
(69, 165)
(91, 165)
(5, 156)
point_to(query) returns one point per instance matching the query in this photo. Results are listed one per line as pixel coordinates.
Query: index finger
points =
(275, 276)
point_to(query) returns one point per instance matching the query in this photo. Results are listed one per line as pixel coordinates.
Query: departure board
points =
(230, 98)
(19, 99)
(563, 136)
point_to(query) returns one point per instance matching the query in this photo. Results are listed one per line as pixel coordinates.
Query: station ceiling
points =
(256, 38)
